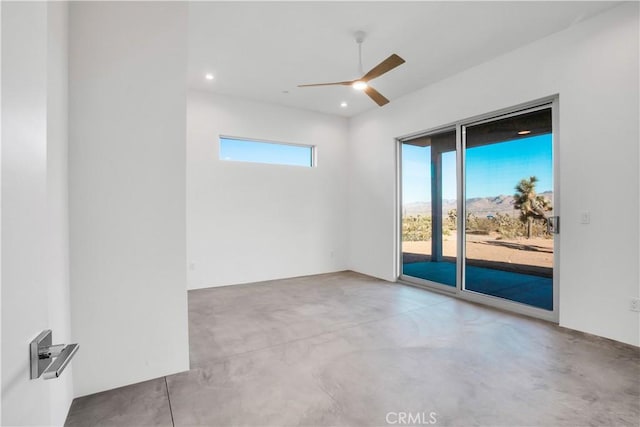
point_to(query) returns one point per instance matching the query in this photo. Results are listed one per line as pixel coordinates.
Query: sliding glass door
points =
(477, 209)
(429, 204)
(508, 205)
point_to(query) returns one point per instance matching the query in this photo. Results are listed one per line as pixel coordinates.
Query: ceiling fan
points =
(363, 82)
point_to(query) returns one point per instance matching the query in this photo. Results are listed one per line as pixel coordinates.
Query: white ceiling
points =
(258, 50)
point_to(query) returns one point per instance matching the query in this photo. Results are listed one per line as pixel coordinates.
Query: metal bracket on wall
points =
(49, 359)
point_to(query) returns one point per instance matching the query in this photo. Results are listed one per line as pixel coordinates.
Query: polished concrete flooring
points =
(347, 350)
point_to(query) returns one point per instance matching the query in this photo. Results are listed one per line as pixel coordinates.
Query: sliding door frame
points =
(410, 279)
(459, 291)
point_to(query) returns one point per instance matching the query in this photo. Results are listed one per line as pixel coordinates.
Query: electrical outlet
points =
(635, 304)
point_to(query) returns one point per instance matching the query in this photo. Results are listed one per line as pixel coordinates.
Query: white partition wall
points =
(250, 222)
(24, 170)
(35, 284)
(127, 98)
(57, 259)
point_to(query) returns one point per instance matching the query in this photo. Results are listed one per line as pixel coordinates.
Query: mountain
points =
(479, 206)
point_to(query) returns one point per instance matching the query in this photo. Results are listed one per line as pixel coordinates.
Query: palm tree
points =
(530, 204)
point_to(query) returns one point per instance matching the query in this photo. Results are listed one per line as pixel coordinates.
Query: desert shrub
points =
(450, 221)
(539, 228)
(509, 227)
(473, 223)
(484, 225)
(416, 228)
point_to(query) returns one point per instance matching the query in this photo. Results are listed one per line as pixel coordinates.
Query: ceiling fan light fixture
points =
(362, 84)
(359, 85)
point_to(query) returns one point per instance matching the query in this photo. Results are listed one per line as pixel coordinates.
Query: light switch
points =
(585, 218)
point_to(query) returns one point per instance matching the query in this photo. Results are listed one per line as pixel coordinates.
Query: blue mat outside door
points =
(524, 288)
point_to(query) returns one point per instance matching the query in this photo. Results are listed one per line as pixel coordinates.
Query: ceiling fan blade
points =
(376, 96)
(349, 83)
(387, 65)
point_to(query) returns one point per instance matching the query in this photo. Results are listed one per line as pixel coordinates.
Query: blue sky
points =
(263, 152)
(492, 170)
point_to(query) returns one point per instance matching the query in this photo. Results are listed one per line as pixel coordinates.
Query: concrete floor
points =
(346, 349)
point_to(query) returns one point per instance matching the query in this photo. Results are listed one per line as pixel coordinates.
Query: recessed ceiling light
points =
(524, 132)
(208, 76)
(343, 104)
(359, 85)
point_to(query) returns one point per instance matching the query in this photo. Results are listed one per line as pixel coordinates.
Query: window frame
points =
(312, 149)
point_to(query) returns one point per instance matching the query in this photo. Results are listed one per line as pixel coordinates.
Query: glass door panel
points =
(508, 202)
(429, 205)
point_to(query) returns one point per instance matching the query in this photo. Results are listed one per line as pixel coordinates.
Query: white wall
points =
(250, 222)
(593, 66)
(127, 103)
(1, 383)
(57, 258)
(24, 133)
(35, 292)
